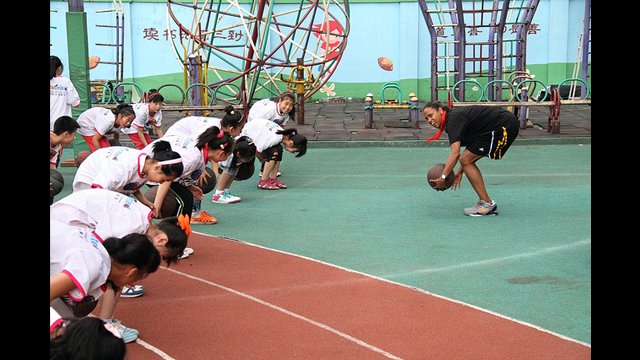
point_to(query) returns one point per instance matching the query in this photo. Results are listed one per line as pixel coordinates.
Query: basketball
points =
(81, 156)
(435, 172)
(208, 184)
(169, 206)
(55, 174)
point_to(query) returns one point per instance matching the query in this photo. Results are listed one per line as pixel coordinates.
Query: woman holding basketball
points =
(485, 132)
(98, 122)
(126, 170)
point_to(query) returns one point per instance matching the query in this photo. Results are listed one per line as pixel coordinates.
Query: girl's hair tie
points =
(222, 146)
(220, 135)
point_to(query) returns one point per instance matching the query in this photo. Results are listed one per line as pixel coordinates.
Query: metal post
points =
(368, 111)
(523, 109)
(193, 63)
(413, 112)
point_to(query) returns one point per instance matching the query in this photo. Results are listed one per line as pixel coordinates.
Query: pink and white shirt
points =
(143, 119)
(192, 126)
(268, 109)
(77, 252)
(263, 133)
(193, 159)
(105, 212)
(62, 97)
(117, 168)
(96, 120)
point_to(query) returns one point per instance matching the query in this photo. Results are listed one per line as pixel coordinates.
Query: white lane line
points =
(493, 261)
(159, 352)
(287, 312)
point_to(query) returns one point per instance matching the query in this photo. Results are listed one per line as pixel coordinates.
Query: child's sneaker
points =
(132, 291)
(268, 184)
(482, 208)
(225, 198)
(127, 334)
(204, 219)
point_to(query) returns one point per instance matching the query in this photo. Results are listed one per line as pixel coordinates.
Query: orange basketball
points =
(435, 172)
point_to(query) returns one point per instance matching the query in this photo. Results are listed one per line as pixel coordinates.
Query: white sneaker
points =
(186, 253)
(225, 198)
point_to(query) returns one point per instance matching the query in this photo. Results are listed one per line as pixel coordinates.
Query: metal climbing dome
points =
(456, 59)
(231, 52)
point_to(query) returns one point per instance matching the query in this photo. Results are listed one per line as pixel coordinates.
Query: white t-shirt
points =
(263, 133)
(57, 148)
(143, 119)
(117, 168)
(105, 212)
(76, 251)
(193, 159)
(192, 126)
(268, 109)
(62, 96)
(97, 119)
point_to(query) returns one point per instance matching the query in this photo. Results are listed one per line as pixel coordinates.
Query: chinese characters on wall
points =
(154, 34)
(532, 29)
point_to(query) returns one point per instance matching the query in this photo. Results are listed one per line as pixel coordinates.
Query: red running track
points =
(232, 300)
